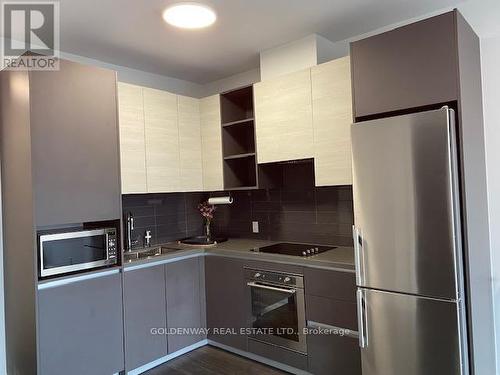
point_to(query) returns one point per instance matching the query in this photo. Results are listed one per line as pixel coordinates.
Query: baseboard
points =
(199, 344)
(159, 361)
(260, 359)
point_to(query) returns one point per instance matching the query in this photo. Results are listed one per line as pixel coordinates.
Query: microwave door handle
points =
(268, 287)
(106, 244)
(70, 235)
(40, 255)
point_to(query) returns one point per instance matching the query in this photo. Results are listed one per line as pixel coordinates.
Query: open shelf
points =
(239, 156)
(238, 139)
(237, 105)
(296, 173)
(240, 173)
(246, 121)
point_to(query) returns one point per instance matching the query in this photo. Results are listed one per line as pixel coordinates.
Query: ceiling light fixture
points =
(189, 15)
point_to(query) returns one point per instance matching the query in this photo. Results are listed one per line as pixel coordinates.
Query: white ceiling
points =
(132, 33)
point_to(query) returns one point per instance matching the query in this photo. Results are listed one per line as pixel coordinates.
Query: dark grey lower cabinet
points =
(278, 354)
(333, 354)
(81, 327)
(331, 303)
(144, 308)
(185, 311)
(226, 300)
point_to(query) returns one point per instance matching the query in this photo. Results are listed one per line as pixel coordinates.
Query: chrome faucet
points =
(130, 228)
(147, 239)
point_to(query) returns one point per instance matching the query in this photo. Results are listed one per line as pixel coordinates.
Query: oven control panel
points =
(275, 277)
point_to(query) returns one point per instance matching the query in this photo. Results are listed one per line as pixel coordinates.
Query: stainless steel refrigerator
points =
(408, 247)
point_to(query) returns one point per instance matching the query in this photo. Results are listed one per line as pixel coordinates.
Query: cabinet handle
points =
(261, 286)
(347, 332)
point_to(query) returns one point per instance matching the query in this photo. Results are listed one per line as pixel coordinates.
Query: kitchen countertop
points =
(338, 258)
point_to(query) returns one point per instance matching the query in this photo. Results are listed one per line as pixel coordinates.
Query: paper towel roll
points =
(220, 200)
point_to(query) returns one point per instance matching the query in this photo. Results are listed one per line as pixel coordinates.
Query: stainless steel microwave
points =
(73, 251)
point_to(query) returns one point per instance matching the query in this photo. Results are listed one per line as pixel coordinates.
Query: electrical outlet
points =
(255, 226)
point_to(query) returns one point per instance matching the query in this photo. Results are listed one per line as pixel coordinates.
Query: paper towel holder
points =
(215, 201)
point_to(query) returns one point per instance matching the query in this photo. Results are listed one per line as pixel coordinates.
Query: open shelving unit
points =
(238, 139)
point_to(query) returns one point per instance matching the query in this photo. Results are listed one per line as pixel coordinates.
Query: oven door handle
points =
(262, 286)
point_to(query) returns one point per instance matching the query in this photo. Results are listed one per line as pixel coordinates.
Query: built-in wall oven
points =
(73, 250)
(277, 309)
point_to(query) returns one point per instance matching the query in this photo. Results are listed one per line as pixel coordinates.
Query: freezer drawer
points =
(404, 204)
(409, 335)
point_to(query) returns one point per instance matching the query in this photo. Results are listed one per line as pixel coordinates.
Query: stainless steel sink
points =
(147, 253)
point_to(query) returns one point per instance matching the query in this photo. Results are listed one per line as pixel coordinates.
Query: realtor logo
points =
(30, 32)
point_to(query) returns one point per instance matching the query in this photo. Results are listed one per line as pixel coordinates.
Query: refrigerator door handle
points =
(361, 304)
(358, 247)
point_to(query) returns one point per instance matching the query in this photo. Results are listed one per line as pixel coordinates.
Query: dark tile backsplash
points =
(169, 217)
(297, 212)
(317, 215)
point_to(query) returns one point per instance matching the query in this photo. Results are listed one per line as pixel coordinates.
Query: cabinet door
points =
(184, 302)
(162, 141)
(283, 118)
(144, 308)
(74, 138)
(226, 300)
(211, 143)
(333, 354)
(332, 119)
(340, 285)
(191, 176)
(411, 66)
(132, 139)
(80, 327)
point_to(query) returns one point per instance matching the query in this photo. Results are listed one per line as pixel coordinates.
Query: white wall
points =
(484, 16)
(328, 50)
(291, 57)
(490, 60)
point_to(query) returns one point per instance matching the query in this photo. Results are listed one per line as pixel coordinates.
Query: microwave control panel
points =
(111, 235)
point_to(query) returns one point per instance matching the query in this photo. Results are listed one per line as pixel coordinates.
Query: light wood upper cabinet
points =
(132, 141)
(162, 141)
(169, 143)
(332, 119)
(211, 143)
(173, 143)
(191, 176)
(283, 118)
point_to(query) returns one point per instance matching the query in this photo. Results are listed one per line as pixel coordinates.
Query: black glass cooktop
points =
(300, 250)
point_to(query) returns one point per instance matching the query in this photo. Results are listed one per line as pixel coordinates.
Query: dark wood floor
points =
(212, 361)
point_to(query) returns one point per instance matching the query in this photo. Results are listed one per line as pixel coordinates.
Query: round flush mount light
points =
(189, 15)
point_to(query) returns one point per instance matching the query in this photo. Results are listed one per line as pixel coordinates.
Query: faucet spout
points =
(130, 228)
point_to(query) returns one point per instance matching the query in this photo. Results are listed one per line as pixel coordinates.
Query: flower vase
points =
(207, 230)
